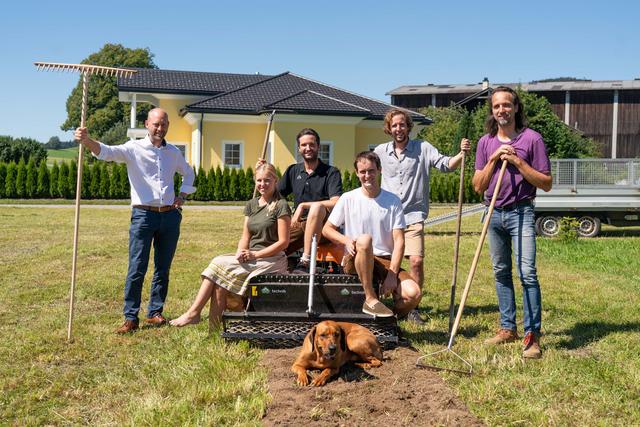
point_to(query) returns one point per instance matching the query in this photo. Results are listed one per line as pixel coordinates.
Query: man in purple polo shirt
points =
(512, 222)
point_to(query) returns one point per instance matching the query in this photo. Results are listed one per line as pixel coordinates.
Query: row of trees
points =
(28, 180)
(15, 149)
(103, 180)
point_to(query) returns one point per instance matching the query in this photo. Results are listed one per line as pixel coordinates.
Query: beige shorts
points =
(414, 240)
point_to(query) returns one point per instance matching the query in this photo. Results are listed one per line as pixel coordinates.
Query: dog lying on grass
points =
(329, 345)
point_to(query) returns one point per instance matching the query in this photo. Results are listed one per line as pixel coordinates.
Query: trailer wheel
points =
(548, 226)
(589, 226)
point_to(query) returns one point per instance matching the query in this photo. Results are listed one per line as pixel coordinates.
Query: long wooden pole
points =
(83, 119)
(474, 264)
(265, 143)
(456, 248)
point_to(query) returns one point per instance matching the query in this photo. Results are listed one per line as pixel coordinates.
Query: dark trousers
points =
(161, 229)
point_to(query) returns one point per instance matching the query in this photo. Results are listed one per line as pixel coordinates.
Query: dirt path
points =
(396, 394)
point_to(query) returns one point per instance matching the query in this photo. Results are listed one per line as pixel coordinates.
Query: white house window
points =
(325, 153)
(232, 154)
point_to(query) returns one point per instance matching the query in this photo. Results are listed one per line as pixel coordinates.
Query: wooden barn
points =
(607, 111)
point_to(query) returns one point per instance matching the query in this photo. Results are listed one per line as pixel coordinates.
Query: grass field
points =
(589, 375)
(65, 155)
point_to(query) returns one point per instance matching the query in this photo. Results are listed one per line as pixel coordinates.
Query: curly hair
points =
(395, 112)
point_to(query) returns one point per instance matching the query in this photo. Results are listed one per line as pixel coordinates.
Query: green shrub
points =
(21, 179)
(3, 177)
(10, 181)
(105, 181)
(31, 185)
(53, 182)
(568, 229)
(63, 177)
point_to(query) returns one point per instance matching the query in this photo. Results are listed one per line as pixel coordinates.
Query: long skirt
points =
(226, 271)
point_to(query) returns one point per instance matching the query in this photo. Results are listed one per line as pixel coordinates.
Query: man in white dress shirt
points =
(156, 211)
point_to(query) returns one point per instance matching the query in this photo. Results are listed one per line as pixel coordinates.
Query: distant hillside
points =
(62, 155)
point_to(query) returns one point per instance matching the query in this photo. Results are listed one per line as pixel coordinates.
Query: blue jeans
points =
(162, 229)
(514, 229)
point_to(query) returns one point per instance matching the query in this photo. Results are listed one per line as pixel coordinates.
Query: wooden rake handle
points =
(265, 143)
(474, 264)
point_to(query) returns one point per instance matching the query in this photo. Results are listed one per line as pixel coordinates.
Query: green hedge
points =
(101, 180)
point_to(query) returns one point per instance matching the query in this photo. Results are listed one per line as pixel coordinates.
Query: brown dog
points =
(329, 345)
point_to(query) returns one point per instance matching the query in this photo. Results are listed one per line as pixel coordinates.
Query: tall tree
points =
(3, 177)
(31, 186)
(14, 149)
(63, 180)
(104, 110)
(43, 180)
(53, 180)
(21, 179)
(10, 181)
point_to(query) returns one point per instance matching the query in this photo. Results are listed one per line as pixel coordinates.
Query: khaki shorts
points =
(414, 240)
(380, 268)
(296, 236)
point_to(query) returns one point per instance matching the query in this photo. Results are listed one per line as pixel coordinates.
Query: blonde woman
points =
(265, 236)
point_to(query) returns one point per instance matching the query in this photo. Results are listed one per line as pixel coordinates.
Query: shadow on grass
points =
(452, 233)
(584, 333)
(440, 337)
(468, 310)
(621, 232)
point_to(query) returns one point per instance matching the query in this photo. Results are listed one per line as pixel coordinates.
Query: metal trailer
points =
(594, 191)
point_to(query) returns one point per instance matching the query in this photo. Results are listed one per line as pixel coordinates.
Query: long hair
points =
(491, 124)
(396, 112)
(270, 170)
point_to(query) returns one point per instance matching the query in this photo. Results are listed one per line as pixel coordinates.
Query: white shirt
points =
(151, 170)
(377, 217)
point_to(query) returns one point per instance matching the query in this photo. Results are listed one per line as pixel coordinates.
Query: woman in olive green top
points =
(265, 235)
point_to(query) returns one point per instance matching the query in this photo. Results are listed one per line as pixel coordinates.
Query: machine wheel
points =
(548, 226)
(589, 226)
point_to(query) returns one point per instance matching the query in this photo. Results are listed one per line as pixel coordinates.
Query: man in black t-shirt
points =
(316, 187)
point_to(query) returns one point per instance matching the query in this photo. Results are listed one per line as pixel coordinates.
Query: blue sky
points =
(365, 47)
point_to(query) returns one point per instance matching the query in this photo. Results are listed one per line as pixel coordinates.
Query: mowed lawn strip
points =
(589, 373)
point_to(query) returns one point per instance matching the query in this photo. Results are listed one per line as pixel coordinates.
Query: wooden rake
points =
(467, 286)
(265, 143)
(85, 71)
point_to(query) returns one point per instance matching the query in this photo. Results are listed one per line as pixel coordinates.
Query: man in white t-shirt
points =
(373, 238)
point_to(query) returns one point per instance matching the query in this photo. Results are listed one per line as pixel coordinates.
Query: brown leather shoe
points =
(502, 337)
(531, 346)
(127, 326)
(157, 320)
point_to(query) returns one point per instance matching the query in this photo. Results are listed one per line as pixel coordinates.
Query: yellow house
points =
(220, 119)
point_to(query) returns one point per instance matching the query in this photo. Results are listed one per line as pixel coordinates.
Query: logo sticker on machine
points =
(344, 292)
(254, 291)
(265, 291)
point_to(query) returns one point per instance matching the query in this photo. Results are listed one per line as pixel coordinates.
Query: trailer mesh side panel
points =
(291, 333)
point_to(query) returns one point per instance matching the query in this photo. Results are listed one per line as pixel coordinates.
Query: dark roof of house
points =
(254, 94)
(185, 82)
(535, 86)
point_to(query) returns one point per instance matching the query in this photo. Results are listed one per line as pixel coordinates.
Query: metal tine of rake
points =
(85, 71)
(465, 293)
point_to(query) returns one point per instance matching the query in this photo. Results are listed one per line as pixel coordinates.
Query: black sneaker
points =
(414, 317)
(301, 268)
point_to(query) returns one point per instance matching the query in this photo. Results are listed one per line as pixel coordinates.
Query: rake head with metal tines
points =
(85, 69)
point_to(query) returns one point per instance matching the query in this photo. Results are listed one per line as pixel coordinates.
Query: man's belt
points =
(166, 208)
(516, 205)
